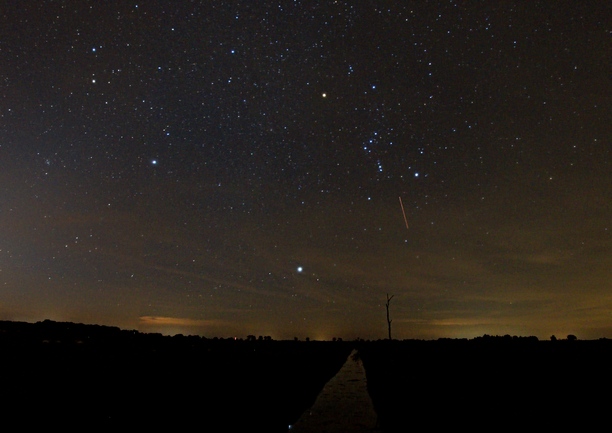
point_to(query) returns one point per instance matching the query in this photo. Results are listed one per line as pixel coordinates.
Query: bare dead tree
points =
(388, 317)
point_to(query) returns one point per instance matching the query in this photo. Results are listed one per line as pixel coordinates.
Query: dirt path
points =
(343, 405)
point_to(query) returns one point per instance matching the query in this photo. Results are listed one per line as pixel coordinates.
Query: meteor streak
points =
(403, 212)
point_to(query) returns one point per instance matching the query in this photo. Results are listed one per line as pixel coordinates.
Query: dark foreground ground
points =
(490, 384)
(94, 378)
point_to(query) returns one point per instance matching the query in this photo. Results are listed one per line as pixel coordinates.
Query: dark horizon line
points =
(252, 337)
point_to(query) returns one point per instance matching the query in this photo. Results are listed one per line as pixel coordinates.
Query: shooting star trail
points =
(403, 212)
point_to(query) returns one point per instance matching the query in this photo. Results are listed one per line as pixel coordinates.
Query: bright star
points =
(300, 269)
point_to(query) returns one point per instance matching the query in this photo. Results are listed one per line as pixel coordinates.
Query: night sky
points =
(226, 168)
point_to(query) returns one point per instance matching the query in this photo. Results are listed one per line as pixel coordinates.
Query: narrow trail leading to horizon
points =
(344, 404)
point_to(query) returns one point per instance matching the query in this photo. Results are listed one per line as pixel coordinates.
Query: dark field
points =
(490, 384)
(86, 377)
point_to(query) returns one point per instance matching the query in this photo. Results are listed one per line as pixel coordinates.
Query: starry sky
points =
(228, 168)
